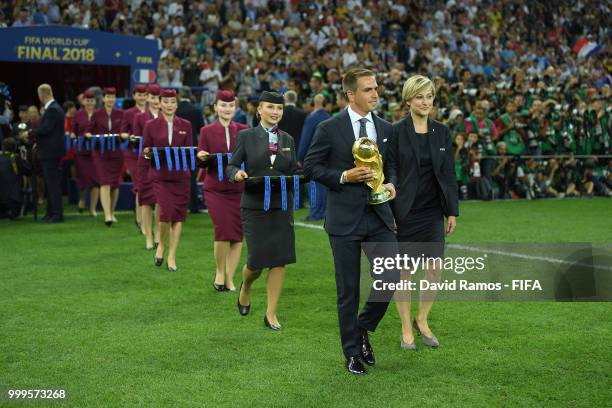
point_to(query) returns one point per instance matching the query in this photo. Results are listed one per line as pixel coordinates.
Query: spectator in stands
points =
(210, 78)
(41, 17)
(293, 118)
(476, 56)
(23, 19)
(2, 20)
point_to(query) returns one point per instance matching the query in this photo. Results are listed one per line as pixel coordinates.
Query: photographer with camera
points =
(569, 178)
(598, 127)
(508, 130)
(551, 127)
(462, 167)
(502, 174)
(13, 166)
(535, 129)
(487, 136)
(6, 115)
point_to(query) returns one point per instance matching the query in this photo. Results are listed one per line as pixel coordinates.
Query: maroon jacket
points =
(212, 140)
(99, 125)
(140, 120)
(80, 122)
(127, 123)
(156, 135)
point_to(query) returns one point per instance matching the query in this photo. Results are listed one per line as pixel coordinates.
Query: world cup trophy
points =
(366, 154)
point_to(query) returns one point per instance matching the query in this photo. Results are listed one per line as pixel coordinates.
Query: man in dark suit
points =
(51, 146)
(293, 118)
(187, 110)
(318, 115)
(350, 220)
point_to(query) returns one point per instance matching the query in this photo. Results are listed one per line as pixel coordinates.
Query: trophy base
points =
(380, 197)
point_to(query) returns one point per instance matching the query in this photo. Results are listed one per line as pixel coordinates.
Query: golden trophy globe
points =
(366, 154)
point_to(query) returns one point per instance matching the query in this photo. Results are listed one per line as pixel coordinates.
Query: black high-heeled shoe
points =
(218, 288)
(108, 223)
(270, 325)
(243, 310)
(172, 268)
(158, 261)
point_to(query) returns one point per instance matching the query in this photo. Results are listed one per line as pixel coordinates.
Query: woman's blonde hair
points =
(415, 85)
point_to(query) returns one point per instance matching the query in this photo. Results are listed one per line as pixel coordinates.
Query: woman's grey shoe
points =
(429, 341)
(407, 346)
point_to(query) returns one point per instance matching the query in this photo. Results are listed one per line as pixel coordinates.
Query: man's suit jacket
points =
(50, 135)
(329, 155)
(292, 122)
(402, 164)
(252, 149)
(187, 110)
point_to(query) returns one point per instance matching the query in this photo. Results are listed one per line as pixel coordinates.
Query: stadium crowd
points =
(524, 86)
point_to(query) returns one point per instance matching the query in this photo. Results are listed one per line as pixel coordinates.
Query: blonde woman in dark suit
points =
(420, 164)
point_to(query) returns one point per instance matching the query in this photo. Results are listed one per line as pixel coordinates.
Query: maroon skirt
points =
(146, 196)
(108, 167)
(86, 173)
(224, 209)
(172, 196)
(131, 161)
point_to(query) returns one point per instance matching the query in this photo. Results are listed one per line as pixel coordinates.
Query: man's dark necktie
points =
(362, 128)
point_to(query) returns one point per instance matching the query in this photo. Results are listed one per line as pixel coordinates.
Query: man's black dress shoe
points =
(218, 288)
(54, 220)
(355, 366)
(367, 354)
(270, 325)
(158, 261)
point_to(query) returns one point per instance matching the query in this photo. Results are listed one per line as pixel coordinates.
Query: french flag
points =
(144, 76)
(585, 48)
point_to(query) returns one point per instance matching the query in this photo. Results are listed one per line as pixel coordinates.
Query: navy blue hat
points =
(272, 97)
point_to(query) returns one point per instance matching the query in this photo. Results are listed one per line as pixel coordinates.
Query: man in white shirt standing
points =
(210, 78)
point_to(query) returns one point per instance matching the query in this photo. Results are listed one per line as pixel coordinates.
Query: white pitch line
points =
(530, 257)
(497, 252)
(306, 225)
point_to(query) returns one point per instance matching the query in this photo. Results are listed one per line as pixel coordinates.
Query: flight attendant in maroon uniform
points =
(130, 155)
(107, 120)
(86, 175)
(146, 198)
(171, 188)
(223, 197)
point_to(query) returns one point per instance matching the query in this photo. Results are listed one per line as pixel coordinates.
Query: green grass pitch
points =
(83, 308)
